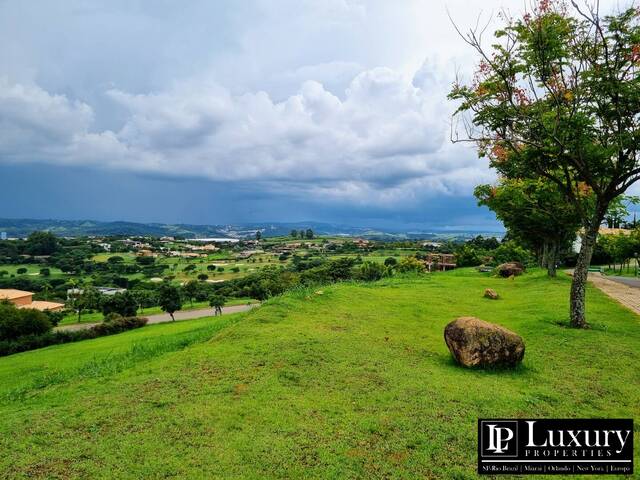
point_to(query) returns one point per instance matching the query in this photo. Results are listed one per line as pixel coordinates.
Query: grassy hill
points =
(355, 382)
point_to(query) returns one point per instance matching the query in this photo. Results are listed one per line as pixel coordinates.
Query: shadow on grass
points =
(448, 362)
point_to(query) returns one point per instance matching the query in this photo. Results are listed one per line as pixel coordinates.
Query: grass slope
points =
(353, 383)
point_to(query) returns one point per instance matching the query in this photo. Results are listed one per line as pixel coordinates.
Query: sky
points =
(219, 112)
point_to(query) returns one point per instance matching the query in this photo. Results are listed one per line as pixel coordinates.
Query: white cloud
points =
(291, 95)
(384, 139)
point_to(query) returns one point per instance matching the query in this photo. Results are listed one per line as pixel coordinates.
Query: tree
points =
(294, 234)
(169, 299)
(202, 277)
(88, 298)
(258, 235)
(45, 272)
(145, 298)
(21, 271)
(308, 234)
(41, 243)
(190, 289)
(558, 96)
(217, 302)
(533, 211)
(618, 210)
(124, 304)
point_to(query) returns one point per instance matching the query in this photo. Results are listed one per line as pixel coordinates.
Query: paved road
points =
(164, 317)
(629, 281)
(621, 291)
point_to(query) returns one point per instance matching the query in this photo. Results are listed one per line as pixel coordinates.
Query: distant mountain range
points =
(77, 228)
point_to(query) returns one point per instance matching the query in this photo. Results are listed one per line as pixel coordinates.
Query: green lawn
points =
(355, 382)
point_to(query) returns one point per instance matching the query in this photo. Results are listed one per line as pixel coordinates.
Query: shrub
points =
(45, 272)
(468, 256)
(411, 264)
(15, 322)
(33, 341)
(21, 271)
(371, 271)
(390, 262)
(512, 252)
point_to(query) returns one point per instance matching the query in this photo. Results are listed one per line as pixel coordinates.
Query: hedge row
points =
(31, 342)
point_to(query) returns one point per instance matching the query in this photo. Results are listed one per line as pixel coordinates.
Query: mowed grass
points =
(352, 382)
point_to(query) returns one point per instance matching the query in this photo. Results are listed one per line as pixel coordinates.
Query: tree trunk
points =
(579, 282)
(552, 257)
(544, 259)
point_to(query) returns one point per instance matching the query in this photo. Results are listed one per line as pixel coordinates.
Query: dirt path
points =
(164, 317)
(621, 292)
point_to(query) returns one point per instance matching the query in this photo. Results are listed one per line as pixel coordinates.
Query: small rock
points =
(476, 343)
(510, 269)
(492, 294)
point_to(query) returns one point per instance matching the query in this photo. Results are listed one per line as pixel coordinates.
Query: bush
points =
(411, 264)
(468, 256)
(512, 252)
(371, 271)
(21, 271)
(390, 262)
(33, 341)
(45, 272)
(15, 322)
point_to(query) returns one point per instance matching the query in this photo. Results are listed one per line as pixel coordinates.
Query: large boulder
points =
(476, 343)
(510, 269)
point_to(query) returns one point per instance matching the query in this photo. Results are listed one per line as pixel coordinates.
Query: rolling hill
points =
(351, 381)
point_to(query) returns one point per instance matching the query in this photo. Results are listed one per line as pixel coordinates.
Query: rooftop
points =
(9, 293)
(42, 305)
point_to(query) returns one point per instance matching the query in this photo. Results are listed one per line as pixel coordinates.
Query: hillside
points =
(76, 228)
(353, 381)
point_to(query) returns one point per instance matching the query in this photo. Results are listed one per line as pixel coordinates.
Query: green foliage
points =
(217, 301)
(17, 322)
(21, 271)
(280, 367)
(468, 256)
(45, 272)
(410, 264)
(124, 304)
(512, 251)
(47, 338)
(390, 261)
(371, 271)
(536, 213)
(169, 298)
(42, 243)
